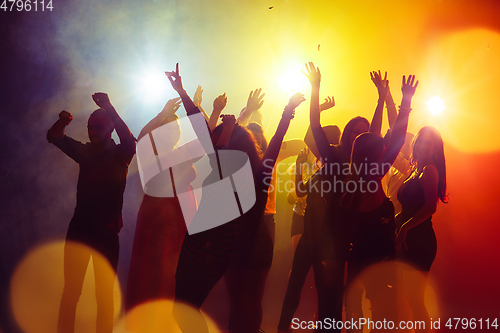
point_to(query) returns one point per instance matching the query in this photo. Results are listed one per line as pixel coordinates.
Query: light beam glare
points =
(153, 84)
(435, 105)
(37, 285)
(293, 80)
(155, 316)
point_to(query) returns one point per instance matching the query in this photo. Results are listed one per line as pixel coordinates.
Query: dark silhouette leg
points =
(76, 259)
(246, 289)
(300, 268)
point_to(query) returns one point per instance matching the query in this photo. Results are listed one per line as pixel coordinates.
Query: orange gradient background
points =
(453, 48)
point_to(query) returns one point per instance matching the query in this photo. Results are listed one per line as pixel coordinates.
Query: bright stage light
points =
(154, 83)
(293, 81)
(435, 105)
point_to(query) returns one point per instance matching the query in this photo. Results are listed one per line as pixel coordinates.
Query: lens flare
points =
(293, 81)
(391, 281)
(154, 83)
(435, 105)
(156, 317)
(37, 285)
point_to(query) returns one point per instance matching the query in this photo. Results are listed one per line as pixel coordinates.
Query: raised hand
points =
(302, 156)
(102, 100)
(171, 107)
(228, 120)
(384, 81)
(175, 79)
(294, 101)
(381, 84)
(328, 104)
(57, 130)
(198, 96)
(255, 100)
(65, 117)
(220, 102)
(409, 86)
(313, 74)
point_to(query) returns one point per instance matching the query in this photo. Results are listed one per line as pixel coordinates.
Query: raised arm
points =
(166, 115)
(254, 103)
(200, 128)
(383, 89)
(57, 130)
(309, 138)
(176, 82)
(300, 188)
(197, 99)
(56, 136)
(219, 105)
(126, 137)
(228, 122)
(274, 147)
(314, 76)
(398, 134)
(392, 113)
(325, 151)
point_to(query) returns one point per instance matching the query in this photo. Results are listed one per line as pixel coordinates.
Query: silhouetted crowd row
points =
(360, 201)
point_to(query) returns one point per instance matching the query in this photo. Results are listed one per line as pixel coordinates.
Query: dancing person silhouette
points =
(419, 196)
(367, 215)
(160, 226)
(98, 214)
(329, 272)
(244, 242)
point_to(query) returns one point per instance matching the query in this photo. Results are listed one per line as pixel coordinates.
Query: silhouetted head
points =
(243, 140)
(332, 134)
(354, 127)
(366, 150)
(428, 148)
(99, 128)
(258, 134)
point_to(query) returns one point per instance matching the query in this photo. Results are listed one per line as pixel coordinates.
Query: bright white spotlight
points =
(435, 105)
(154, 83)
(293, 81)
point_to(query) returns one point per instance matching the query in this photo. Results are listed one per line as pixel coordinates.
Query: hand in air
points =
(302, 156)
(175, 79)
(313, 74)
(294, 101)
(409, 86)
(381, 84)
(220, 102)
(255, 100)
(198, 96)
(102, 100)
(328, 104)
(65, 117)
(171, 107)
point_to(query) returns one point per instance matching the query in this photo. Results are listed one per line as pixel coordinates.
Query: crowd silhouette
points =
(362, 202)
